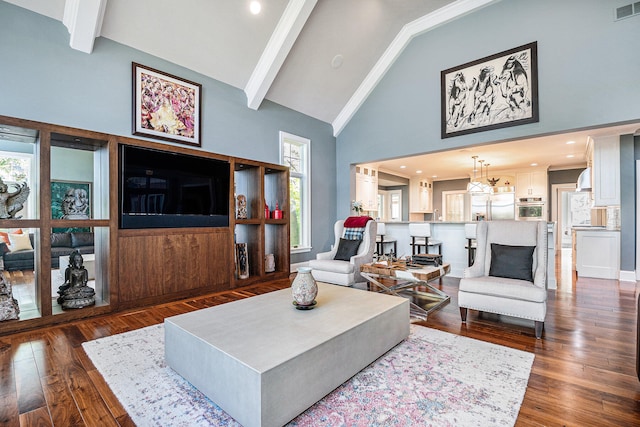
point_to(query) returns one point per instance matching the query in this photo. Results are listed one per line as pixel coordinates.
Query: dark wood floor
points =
(583, 373)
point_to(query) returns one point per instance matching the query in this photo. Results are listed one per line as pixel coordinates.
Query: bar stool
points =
(470, 235)
(421, 236)
(380, 241)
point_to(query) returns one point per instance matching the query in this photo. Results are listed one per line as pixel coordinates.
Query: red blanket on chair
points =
(357, 221)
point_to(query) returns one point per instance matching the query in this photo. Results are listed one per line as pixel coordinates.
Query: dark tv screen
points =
(160, 189)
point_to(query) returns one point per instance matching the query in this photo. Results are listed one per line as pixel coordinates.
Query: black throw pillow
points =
(512, 262)
(347, 249)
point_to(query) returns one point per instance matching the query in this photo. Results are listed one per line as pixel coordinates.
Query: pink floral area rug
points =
(432, 378)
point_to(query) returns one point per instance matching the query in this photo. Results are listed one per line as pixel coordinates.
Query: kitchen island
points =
(596, 252)
(454, 242)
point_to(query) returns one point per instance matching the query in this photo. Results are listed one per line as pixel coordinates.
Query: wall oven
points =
(531, 208)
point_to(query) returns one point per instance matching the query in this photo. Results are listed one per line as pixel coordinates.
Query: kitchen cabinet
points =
(605, 171)
(532, 184)
(367, 187)
(420, 196)
(597, 253)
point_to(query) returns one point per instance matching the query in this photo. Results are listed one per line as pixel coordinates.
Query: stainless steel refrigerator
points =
(490, 207)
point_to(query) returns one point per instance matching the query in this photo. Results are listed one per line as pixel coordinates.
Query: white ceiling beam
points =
(83, 19)
(285, 34)
(402, 40)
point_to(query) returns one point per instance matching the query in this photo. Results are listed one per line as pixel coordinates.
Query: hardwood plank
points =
(9, 415)
(90, 404)
(28, 387)
(62, 408)
(7, 378)
(36, 418)
(112, 402)
(583, 373)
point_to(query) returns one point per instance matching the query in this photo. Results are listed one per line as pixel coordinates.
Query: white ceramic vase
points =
(304, 288)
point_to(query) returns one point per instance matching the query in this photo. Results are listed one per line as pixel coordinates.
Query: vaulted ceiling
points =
(321, 58)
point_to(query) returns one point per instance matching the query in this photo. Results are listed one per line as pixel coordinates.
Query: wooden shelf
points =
(150, 266)
(260, 183)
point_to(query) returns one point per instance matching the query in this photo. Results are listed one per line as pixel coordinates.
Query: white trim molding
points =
(83, 19)
(627, 276)
(284, 36)
(294, 267)
(407, 33)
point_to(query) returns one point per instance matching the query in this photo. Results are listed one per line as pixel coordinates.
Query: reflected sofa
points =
(61, 244)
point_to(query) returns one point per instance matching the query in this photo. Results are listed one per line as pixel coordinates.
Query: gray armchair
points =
(341, 272)
(513, 283)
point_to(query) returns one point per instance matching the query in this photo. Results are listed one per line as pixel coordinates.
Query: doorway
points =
(390, 205)
(564, 196)
(454, 207)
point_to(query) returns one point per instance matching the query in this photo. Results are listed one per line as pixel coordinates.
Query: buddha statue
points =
(75, 293)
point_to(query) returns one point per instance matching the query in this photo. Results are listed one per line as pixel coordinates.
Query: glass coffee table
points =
(409, 282)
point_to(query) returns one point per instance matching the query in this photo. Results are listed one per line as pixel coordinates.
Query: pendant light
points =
(474, 186)
(487, 187)
(484, 187)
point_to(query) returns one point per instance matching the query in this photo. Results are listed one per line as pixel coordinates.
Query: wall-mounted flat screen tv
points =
(162, 189)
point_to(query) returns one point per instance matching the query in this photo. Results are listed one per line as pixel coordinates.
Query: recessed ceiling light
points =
(571, 142)
(534, 164)
(337, 61)
(403, 167)
(569, 156)
(434, 176)
(255, 7)
(418, 171)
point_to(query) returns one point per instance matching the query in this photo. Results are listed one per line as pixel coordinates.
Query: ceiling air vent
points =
(627, 11)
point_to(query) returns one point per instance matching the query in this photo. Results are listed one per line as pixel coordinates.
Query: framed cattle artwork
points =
(493, 92)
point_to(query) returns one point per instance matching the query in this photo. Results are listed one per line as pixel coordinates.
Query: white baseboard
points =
(294, 267)
(627, 276)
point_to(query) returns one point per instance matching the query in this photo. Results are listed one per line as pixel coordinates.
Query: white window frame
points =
(30, 207)
(444, 213)
(305, 176)
(384, 211)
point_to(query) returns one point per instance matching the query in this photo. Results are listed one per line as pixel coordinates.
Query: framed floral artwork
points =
(165, 106)
(490, 93)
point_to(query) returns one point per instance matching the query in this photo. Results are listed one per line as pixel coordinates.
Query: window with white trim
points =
(15, 169)
(295, 153)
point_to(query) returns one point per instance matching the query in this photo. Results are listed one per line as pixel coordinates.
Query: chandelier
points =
(474, 186)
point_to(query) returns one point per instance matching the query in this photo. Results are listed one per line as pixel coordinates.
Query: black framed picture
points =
(165, 106)
(497, 91)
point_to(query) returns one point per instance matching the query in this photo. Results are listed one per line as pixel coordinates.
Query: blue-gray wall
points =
(43, 79)
(627, 203)
(587, 76)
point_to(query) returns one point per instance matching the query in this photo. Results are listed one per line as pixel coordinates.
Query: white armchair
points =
(346, 273)
(501, 285)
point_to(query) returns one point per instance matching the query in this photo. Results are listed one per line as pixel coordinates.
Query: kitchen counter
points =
(596, 252)
(454, 241)
(592, 228)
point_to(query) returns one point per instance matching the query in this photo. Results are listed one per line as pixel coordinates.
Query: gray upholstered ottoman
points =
(264, 362)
